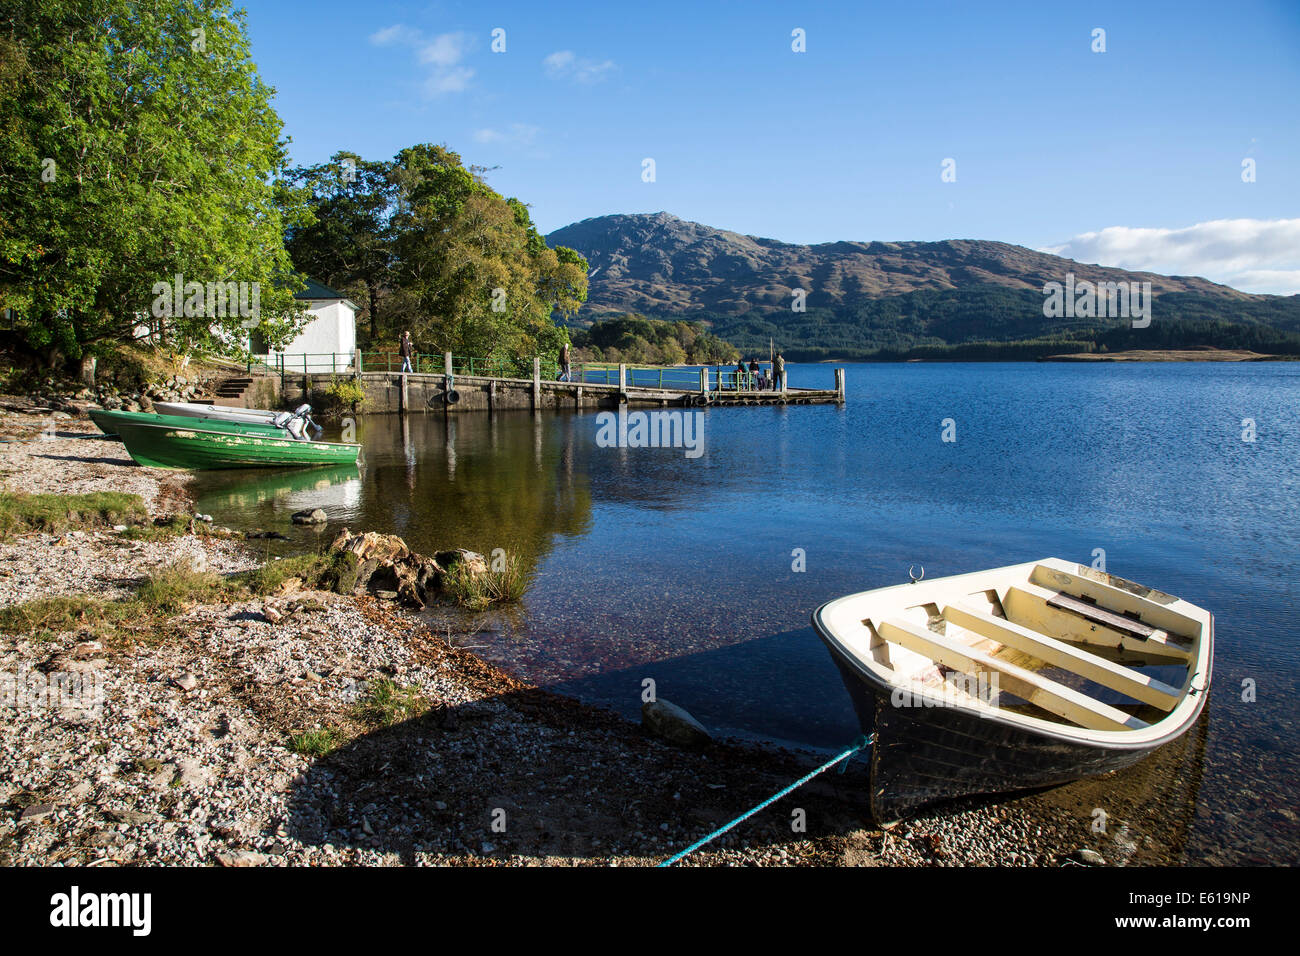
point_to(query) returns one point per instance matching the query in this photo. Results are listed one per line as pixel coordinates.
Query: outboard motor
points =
(296, 427)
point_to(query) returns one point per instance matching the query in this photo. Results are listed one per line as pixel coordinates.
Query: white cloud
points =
(442, 54)
(397, 33)
(516, 134)
(445, 50)
(1253, 255)
(565, 64)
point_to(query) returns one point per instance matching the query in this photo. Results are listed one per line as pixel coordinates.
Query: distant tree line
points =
(634, 338)
(990, 321)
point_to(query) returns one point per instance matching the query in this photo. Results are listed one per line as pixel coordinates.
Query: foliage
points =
(317, 571)
(342, 393)
(634, 338)
(140, 144)
(478, 590)
(348, 244)
(315, 743)
(21, 513)
(387, 703)
(995, 322)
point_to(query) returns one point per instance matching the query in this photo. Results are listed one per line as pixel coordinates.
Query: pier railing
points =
(694, 378)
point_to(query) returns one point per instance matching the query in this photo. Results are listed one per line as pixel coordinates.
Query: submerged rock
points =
(310, 516)
(669, 722)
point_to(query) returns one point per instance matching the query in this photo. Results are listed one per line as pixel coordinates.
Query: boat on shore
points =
(109, 422)
(1014, 678)
(160, 445)
(228, 413)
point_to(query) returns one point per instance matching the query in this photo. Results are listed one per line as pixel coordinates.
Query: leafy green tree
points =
(485, 280)
(140, 144)
(349, 242)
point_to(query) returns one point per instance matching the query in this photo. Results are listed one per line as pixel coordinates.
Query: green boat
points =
(168, 446)
(109, 422)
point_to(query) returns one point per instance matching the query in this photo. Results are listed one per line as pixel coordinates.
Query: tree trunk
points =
(88, 365)
(374, 312)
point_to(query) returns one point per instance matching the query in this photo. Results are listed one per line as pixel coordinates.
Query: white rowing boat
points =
(1016, 677)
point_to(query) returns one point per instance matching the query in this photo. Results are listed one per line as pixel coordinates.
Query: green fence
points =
(592, 373)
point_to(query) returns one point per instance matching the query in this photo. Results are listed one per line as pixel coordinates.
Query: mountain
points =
(865, 297)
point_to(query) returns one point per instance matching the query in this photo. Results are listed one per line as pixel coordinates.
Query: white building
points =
(326, 343)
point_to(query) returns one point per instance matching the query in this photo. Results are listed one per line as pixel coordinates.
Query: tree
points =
(140, 145)
(485, 280)
(349, 241)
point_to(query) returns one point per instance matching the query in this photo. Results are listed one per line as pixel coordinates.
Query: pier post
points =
(356, 364)
(537, 383)
(839, 384)
(492, 395)
(446, 364)
(704, 381)
(402, 397)
(622, 378)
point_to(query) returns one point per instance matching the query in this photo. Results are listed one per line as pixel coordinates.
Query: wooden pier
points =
(604, 386)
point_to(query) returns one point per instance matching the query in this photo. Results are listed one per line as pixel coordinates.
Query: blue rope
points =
(860, 744)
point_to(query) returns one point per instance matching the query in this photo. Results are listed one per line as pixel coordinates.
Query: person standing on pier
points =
(565, 374)
(778, 372)
(407, 350)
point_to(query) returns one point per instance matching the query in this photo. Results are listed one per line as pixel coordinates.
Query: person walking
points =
(565, 374)
(407, 350)
(778, 372)
(753, 373)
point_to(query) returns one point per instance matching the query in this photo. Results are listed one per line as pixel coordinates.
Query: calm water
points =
(649, 564)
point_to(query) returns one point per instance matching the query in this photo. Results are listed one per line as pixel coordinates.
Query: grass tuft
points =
(54, 514)
(504, 585)
(315, 743)
(387, 703)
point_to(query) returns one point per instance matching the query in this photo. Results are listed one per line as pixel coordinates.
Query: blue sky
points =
(1131, 157)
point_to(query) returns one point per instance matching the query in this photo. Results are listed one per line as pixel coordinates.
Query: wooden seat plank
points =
(1097, 669)
(1043, 692)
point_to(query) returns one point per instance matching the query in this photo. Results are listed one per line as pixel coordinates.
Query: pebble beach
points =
(188, 756)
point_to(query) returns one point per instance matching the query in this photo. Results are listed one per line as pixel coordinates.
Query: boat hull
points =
(110, 422)
(162, 446)
(925, 755)
(225, 413)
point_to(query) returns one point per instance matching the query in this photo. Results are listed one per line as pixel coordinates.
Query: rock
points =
(131, 817)
(241, 858)
(119, 528)
(266, 535)
(272, 615)
(312, 516)
(37, 811)
(669, 722)
(1090, 857)
(474, 562)
(187, 682)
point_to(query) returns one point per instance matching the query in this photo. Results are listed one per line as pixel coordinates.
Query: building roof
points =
(317, 290)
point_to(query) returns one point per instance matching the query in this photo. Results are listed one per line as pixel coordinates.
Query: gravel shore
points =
(186, 756)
